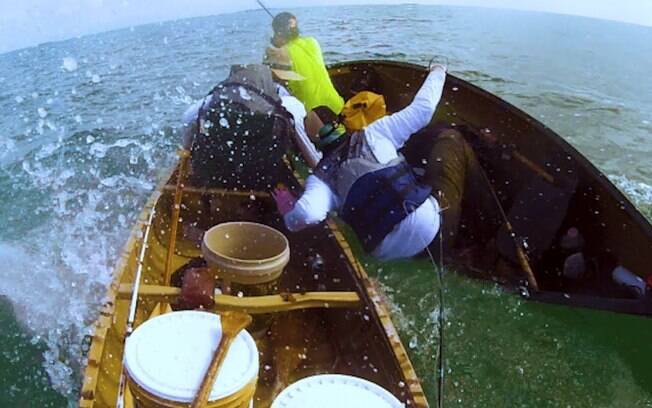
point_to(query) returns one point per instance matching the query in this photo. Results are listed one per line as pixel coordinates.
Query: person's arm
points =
(401, 125)
(310, 154)
(190, 115)
(312, 207)
(188, 135)
(189, 119)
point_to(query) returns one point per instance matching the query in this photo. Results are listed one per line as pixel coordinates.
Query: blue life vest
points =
(379, 200)
(377, 196)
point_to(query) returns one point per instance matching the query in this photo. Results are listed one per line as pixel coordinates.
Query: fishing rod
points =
(133, 304)
(260, 3)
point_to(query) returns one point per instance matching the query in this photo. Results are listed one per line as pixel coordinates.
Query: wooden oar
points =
(232, 323)
(518, 243)
(176, 209)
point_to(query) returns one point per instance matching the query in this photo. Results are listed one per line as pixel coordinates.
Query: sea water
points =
(88, 125)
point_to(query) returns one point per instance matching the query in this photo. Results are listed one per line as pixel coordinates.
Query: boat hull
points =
(544, 184)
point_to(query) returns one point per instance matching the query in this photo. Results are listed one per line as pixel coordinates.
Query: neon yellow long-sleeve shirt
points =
(317, 88)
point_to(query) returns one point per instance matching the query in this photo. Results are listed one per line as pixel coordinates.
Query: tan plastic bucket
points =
(246, 252)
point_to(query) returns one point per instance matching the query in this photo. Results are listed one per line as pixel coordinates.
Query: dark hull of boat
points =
(544, 184)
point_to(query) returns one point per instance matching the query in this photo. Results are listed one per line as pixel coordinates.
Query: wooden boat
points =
(354, 334)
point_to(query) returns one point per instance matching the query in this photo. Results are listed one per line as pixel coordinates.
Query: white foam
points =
(639, 192)
(69, 64)
(99, 150)
(7, 148)
(53, 289)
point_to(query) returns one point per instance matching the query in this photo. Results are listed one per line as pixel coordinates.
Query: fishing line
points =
(440, 316)
(260, 3)
(432, 61)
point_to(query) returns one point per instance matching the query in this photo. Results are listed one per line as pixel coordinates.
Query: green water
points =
(23, 380)
(500, 350)
(86, 126)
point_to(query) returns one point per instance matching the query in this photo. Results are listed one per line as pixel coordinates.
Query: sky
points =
(26, 23)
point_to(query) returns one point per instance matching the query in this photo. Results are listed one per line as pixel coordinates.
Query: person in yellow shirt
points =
(308, 61)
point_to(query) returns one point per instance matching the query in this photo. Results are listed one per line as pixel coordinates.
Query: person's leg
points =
(454, 173)
(446, 174)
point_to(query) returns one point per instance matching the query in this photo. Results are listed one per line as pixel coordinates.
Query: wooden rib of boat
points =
(357, 337)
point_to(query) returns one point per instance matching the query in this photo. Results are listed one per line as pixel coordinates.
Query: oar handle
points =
(522, 258)
(209, 379)
(525, 265)
(232, 323)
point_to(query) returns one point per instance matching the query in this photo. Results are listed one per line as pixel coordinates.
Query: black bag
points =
(243, 132)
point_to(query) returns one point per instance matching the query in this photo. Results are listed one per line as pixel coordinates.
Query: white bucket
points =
(167, 356)
(335, 390)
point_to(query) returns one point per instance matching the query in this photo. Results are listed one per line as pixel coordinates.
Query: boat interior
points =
(352, 334)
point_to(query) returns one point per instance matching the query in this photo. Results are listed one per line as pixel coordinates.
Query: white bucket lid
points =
(169, 355)
(335, 390)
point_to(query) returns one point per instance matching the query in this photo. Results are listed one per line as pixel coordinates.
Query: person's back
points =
(239, 132)
(317, 89)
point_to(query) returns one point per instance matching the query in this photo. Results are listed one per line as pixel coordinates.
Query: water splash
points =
(69, 64)
(57, 269)
(639, 192)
